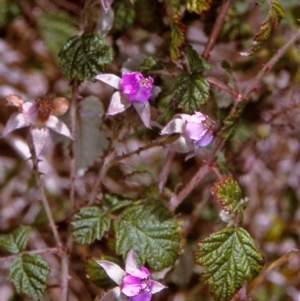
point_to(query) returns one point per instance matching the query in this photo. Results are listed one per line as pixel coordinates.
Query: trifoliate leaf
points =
(231, 258)
(191, 91)
(91, 141)
(228, 193)
(150, 63)
(83, 57)
(9, 9)
(90, 224)
(267, 28)
(28, 274)
(195, 61)
(124, 15)
(151, 232)
(198, 6)
(177, 37)
(55, 27)
(16, 241)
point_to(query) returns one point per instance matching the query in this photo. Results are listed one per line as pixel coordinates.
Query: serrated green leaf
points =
(82, 57)
(150, 63)
(16, 241)
(90, 224)
(231, 258)
(91, 141)
(191, 91)
(177, 37)
(267, 28)
(151, 231)
(55, 27)
(9, 9)
(28, 274)
(113, 202)
(195, 61)
(228, 193)
(124, 15)
(97, 274)
(197, 6)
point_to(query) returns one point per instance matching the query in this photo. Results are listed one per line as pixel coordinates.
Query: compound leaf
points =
(16, 241)
(28, 274)
(195, 61)
(90, 224)
(191, 91)
(231, 258)
(151, 232)
(197, 6)
(83, 57)
(228, 193)
(177, 37)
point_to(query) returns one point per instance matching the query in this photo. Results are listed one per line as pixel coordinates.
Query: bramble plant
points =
(175, 172)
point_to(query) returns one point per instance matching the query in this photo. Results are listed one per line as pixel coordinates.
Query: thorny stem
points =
(42, 191)
(65, 257)
(163, 176)
(47, 250)
(217, 28)
(177, 199)
(221, 86)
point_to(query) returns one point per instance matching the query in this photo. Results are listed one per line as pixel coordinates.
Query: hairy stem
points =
(163, 176)
(216, 30)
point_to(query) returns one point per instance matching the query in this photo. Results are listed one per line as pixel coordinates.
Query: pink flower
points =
(134, 282)
(38, 116)
(133, 89)
(196, 130)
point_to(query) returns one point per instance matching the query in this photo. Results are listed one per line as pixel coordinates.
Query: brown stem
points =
(214, 82)
(217, 28)
(163, 177)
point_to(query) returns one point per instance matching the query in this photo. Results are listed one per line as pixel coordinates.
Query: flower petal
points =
(174, 126)
(39, 138)
(109, 79)
(181, 145)
(145, 296)
(16, 121)
(112, 270)
(130, 263)
(58, 126)
(205, 140)
(143, 110)
(114, 295)
(131, 286)
(119, 103)
(156, 287)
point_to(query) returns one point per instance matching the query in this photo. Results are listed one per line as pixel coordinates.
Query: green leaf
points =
(91, 141)
(267, 28)
(9, 9)
(90, 224)
(28, 274)
(231, 258)
(124, 15)
(82, 57)
(114, 202)
(55, 27)
(197, 6)
(151, 231)
(16, 241)
(195, 61)
(150, 63)
(191, 91)
(177, 37)
(228, 193)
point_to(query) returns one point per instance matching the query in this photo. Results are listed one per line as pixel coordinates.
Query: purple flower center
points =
(136, 87)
